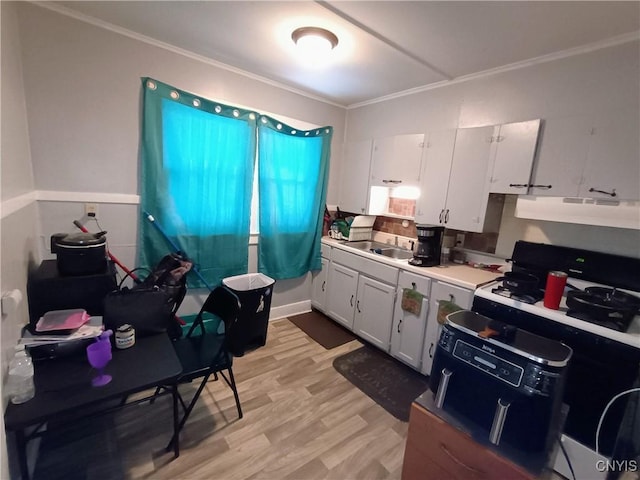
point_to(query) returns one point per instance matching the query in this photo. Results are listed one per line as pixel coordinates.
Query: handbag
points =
(147, 310)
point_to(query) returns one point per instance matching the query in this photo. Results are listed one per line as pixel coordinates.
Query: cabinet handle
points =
(540, 186)
(474, 471)
(351, 301)
(324, 282)
(392, 181)
(399, 323)
(358, 306)
(612, 193)
(431, 350)
(441, 213)
(446, 216)
(520, 185)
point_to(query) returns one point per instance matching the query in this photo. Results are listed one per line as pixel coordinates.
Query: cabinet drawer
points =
(456, 452)
(368, 267)
(413, 280)
(325, 251)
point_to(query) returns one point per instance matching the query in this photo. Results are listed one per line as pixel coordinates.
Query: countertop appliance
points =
(429, 246)
(606, 351)
(507, 381)
(80, 253)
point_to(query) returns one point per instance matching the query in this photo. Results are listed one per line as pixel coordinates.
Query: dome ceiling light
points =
(314, 40)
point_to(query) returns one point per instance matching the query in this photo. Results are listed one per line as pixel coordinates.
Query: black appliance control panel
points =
(488, 363)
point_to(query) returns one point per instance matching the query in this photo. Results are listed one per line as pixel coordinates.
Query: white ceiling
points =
(385, 47)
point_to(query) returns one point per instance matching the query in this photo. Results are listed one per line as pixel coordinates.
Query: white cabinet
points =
(361, 296)
(397, 160)
(407, 333)
(436, 169)
(354, 183)
(464, 207)
(341, 299)
(613, 158)
(440, 291)
(513, 152)
(319, 287)
(319, 280)
(374, 311)
(591, 157)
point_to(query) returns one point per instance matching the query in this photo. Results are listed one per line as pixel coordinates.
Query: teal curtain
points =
(293, 168)
(197, 161)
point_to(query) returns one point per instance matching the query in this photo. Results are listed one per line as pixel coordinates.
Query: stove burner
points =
(620, 325)
(530, 297)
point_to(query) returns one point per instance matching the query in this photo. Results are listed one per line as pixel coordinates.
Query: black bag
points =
(147, 310)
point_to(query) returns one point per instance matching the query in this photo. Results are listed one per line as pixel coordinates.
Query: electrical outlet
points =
(91, 209)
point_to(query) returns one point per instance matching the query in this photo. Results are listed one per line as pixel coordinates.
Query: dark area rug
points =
(391, 384)
(322, 329)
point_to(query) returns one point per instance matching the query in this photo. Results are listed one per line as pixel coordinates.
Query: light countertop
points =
(460, 275)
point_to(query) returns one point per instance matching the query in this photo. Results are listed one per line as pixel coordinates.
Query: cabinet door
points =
(341, 300)
(319, 287)
(436, 166)
(613, 159)
(407, 334)
(354, 186)
(561, 157)
(468, 192)
(514, 151)
(440, 291)
(374, 312)
(397, 160)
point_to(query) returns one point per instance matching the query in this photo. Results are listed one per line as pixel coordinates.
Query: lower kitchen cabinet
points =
(440, 291)
(407, 333)
(374, 311)
(436, 450)
(341, 297)
(319, 287)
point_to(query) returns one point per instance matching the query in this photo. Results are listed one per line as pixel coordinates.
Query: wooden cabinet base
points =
(436, 450)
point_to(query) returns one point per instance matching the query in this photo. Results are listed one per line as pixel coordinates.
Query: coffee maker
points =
(427, 250)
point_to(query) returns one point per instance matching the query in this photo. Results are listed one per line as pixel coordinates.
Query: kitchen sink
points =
(397, 253)
(382, 249)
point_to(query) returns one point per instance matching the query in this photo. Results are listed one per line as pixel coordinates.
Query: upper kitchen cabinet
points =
(612, 169)
(513, 151)
(455, 187)
(396, 161)
(594, 157)
(354, 185)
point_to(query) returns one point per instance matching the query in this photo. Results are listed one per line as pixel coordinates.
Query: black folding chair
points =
(207, 354)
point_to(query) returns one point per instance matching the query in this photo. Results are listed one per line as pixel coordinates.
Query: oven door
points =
(599, 370)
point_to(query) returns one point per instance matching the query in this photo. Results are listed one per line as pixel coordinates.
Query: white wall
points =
(589, 83)
(82, 85)
(19, 212)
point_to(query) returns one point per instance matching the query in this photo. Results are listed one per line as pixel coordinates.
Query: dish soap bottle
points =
(20, 380)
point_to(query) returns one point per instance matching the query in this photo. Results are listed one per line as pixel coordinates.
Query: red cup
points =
(554, 289)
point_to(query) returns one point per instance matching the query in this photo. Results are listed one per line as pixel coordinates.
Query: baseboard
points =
(289, 310)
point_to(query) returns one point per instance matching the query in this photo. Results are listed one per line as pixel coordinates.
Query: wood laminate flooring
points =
(302, 420)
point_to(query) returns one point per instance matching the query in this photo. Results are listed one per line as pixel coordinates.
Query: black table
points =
(64, 390)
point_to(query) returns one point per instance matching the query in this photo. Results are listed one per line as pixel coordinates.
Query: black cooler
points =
(505, 381)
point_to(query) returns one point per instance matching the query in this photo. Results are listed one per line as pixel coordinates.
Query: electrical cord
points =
(626, 392)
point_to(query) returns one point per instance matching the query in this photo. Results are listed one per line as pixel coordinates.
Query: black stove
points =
(529, 297)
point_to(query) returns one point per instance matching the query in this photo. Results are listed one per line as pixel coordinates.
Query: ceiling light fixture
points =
(314, 40)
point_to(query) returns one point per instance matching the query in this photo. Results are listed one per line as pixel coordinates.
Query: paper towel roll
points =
(10, 301)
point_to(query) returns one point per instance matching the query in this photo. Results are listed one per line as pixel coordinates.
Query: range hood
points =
(586, 211)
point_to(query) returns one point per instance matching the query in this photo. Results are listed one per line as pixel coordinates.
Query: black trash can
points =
(254, 290)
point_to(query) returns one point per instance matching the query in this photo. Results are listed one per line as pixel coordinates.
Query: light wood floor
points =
(302, 420)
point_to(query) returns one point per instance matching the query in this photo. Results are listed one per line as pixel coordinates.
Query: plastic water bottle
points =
(20, 381)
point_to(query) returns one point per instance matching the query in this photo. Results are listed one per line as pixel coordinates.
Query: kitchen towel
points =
(411, 301)
(446, 307)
